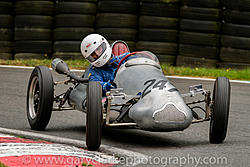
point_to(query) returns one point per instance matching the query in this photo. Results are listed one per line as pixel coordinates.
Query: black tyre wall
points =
(235, 34)
(6, 7)
(118, 20)
(158, 28)
(76, 7)
(199, 37)
(73, 21)
(33, 23)
(197, 13)
(29, 7)
(6, 29)
(117, 6)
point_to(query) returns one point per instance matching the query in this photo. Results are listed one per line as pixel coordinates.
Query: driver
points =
(96, 49)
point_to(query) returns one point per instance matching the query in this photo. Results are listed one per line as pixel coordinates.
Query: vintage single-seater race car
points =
(144, 98)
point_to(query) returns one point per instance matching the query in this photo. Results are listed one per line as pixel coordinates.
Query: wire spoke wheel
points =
(40, 97)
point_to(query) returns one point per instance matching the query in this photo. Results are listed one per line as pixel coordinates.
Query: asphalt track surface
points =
(186, 148)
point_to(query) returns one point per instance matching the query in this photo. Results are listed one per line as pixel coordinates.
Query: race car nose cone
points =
(161, 110)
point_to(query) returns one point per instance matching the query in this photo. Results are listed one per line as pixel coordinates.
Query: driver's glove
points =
(113, 84)
(108, 85)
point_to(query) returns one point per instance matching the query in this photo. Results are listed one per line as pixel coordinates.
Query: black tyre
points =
(6, 7)
(219, 117)
(6, 21)
(236, 30)
(6, 34)
(158, 22)
(34, 21)
(119, 20)
(163, 48)
(202, 3)
(198, 51)
(6, 46)
(195, 62)
(196, 13)
(74, 20)
(200, 26)
(71, 33)
(40, 96)
(243, 5)
(67, 46)
(33, 46)
(94, 116)
(67, 55)
(41, 34)
(115, 6)
(160, 9)
(160, 1)
(235, 42)
(126, 34)
(236, 17)
(158, 35)
(231, 55)
(196, 38)
(76, 7)
(34, 7)
(168, 59)
(38, 56)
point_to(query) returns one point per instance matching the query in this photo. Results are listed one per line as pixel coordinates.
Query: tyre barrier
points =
(158, 28)
(235, 40)
(199, 35)
(117, 20)
(33, 24)
(6, 30)
(72, 22)
(182, 32)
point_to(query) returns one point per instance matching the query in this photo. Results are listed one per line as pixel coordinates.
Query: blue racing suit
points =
(106, 74)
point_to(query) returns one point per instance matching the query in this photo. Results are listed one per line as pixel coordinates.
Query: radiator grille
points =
(169, 114)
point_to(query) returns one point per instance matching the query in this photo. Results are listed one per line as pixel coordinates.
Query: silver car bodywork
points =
(160, 106)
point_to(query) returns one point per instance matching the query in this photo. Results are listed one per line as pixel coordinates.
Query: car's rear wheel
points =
(220, 110)
(40, 96)
(94, 116)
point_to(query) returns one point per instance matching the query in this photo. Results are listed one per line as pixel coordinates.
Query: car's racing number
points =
(161, 84)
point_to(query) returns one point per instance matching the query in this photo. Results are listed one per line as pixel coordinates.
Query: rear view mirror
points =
(60, 66)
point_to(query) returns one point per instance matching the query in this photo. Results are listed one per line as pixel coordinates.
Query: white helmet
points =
(96, 49)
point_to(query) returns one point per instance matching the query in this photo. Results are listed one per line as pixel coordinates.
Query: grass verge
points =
(2, 165)
(236, 74)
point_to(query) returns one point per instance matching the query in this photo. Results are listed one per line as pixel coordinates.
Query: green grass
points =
(235, 74)
(2, 165)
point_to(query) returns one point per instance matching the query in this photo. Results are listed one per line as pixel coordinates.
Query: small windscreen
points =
(147, 54)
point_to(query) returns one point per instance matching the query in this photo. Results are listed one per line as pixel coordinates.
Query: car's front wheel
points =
(94, 116)
(40, 97)
(220, 110)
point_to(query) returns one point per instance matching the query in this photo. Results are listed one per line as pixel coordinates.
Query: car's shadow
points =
(136, 137)
(132, 137)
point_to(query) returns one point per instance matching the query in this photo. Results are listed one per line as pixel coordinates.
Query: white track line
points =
(174, 77)
(26, 67)
(118, 152)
